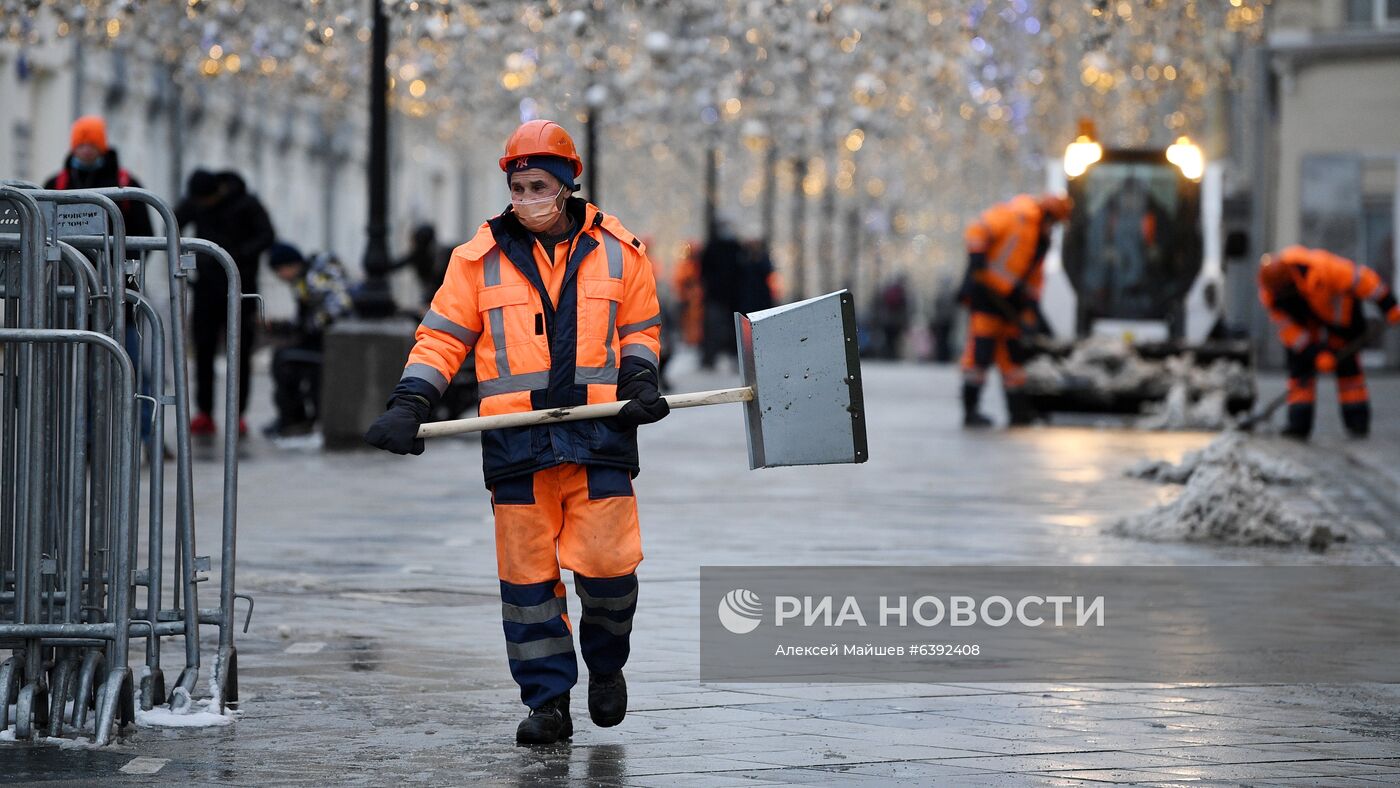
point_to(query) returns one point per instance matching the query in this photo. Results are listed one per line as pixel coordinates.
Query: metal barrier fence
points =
(83, 393)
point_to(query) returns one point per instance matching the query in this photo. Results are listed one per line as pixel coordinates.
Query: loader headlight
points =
(1080, 154)
(1187, 157)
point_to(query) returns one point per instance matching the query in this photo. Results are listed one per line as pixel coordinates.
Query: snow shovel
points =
(1350, 349)
(802, 396)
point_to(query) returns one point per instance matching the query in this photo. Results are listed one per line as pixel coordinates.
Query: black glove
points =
(1310, 353)
(1302, 364)
(396, 430)
(646, 405)
(1020, 297)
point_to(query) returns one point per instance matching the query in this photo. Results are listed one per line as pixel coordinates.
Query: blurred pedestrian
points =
(322, 296)
(559, 302)
(893, 317)
(225, 213)
(92, 163)
(1005, 247)
(1315, 298)
(719, 273)
(426, 259)
(690, 294)
(670, 312)
(945, 310)
(755, 278)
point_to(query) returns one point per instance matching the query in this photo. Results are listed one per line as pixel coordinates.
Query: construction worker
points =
(1001, 290)
(1315, 297)
(559, 303)
(690, 293)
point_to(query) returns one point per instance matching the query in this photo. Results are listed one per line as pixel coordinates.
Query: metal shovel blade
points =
(802, 362)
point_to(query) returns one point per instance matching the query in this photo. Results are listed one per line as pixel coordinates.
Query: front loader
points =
(1134, 295)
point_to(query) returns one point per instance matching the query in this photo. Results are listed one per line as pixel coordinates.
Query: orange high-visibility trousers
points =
(991, 339)
(1352, 395)
(575, 517)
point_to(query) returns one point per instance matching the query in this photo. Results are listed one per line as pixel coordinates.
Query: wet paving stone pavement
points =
(375, 655)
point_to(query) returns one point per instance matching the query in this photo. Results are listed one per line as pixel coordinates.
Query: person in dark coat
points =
(427, 260)
(225, 213)
(755, 291)
(92, 163)
(719, 271)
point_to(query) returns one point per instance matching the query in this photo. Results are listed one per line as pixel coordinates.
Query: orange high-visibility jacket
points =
(545, 335)
(1008, 234)
(690, 293)
(1327, 286)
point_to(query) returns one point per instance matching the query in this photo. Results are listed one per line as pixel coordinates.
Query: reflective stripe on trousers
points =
(580, 518)
(539, 642)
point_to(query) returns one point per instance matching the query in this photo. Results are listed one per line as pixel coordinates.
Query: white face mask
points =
(538, 214)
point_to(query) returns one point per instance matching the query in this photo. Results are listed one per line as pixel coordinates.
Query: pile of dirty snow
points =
(1185, 394)
(1099, 365)
(1197, 396)
(1231, 449)
(1228, 497)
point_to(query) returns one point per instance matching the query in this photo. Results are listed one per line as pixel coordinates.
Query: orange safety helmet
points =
(1274, 275)
(541, 138)
(1056, 206)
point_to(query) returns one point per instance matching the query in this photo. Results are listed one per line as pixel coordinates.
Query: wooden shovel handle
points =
(694, 399)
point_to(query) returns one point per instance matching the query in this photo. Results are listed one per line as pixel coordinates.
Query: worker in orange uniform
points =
(1314, 297)
(558, 301)
(690, 294)
(1005, 246)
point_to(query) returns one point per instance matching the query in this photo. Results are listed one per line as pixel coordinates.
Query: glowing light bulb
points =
(1187, 157)
(1080, 154)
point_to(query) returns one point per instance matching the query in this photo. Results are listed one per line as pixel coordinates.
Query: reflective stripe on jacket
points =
(1008, 234)
(533, 353)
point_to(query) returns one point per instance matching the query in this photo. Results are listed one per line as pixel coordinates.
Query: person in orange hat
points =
(92, 163)
(1314, 297)
(1005, 246)
(558, 301)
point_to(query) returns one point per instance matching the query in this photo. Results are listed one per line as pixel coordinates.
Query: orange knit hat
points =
(90, 130)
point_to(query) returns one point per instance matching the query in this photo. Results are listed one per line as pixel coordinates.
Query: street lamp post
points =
(798, 288)
(377, 300)
(367, 356)
(770, 189)
(711, 190)
(596, 97)
(590, 143)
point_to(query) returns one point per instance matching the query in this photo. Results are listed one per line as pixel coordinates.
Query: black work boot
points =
(607, 698)
(1018, 408)
(546, 724)
(1300, 421)
(971, 393)
(1356, 416)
